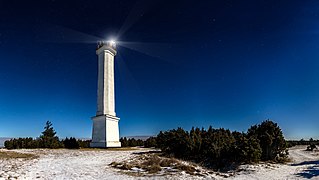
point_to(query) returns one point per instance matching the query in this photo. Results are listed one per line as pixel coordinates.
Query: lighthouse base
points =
(105, 131)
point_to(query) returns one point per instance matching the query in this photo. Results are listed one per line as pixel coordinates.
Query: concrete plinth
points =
(105, 131)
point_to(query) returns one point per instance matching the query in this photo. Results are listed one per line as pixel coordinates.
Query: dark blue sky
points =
(225, 63)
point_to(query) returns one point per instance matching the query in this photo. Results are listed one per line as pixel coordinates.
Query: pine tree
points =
(48, 138)
(124, 142)
(71, 143)
(271, 139)
(150, 142)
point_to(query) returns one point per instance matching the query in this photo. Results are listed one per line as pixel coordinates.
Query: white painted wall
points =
(105, 131)
(105, 99)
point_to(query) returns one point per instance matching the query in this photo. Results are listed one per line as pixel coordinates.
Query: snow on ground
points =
(94, 164)
(71, 164)
(304, 165)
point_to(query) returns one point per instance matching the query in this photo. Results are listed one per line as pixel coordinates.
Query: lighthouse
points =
(105, 131)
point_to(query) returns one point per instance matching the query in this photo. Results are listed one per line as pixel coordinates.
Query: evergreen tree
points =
(139, 142)
(8, 144)
(124, 142)
(270, 138)
(132, 142)
(150, 142)
(84, 143)
(246, 149)
(311, 140)
(196, 142)
(48, 138)
(71, 143)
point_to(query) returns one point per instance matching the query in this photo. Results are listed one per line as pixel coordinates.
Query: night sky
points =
(225, 63)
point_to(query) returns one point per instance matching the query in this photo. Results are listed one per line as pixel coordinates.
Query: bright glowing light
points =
(112, 42)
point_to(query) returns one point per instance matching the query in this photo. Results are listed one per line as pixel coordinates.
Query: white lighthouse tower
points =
(105, 123)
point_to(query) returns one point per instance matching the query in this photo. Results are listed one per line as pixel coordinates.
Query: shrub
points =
(150, 142)
(246, 149)
(131, 142)
(220, 148)
(84, 143)
(311, 147)
(20, 143)
(175, 142)
(124, 142)
(270, 138)
(71, 143)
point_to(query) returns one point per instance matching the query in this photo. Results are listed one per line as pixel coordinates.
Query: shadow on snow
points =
(311, 171)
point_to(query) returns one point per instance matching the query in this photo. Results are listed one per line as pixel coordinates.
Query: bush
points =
(131, 142)
(311, 147)
(124, 142)
(71, 143)
(150, 142)
(270, 138)
(84, 143)
(21, 143)
(221, 148)
(175, 142)
(247, 149)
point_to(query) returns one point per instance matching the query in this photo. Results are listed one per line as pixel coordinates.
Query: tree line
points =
(132, 142)
(311, 141)
(47, 139)
(214, 148)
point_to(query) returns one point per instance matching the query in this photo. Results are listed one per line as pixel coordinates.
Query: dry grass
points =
(126, 166)
(187, 168)
(15, 155)
(154, 168)
(123, 149)
(110, 149)
(151, 160)
(167, 162)
(152, 163)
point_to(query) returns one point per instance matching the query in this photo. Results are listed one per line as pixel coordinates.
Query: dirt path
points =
(298, 154)
(306, 163)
